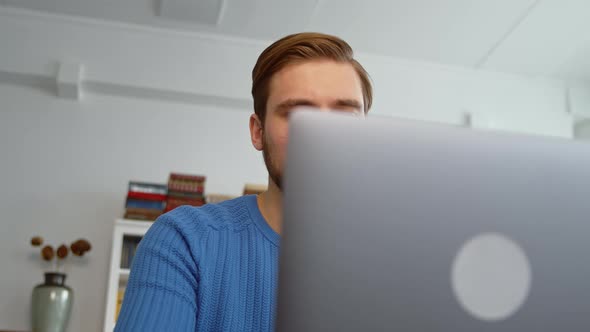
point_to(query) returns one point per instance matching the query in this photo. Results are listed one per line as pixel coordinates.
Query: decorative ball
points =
(76, 249)
(62, 251)
(47, 253)
(36, 241)
(84, 245)
(80, 247)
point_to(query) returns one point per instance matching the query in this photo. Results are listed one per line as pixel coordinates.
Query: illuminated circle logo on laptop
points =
(491, 277)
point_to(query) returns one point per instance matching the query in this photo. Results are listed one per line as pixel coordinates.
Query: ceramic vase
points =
(51, 304)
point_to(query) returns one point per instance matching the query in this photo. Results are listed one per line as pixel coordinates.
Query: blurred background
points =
(94, 94)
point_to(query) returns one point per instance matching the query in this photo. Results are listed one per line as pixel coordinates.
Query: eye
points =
(304, 108)
(350, 111)
(346, 109)
(299, 108)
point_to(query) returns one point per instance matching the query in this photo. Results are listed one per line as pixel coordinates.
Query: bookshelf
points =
(126, 235)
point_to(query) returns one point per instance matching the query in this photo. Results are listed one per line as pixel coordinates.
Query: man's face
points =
(322, 84)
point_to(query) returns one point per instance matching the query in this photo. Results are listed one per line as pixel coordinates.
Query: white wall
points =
(65, 168)
(444, 93)
(137, 61)
(148, 108)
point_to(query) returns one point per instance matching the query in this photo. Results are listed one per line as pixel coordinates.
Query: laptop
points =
(396, 225)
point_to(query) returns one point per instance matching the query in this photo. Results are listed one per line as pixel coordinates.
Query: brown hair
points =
(300, 47)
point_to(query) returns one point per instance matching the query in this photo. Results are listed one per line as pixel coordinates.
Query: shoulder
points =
(181, 232)
(233, 214)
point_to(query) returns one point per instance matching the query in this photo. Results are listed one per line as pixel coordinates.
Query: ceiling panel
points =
(133, 11)
(541, 37)
(450, 31)
(555, 34)
(202, 11)
(266, 19)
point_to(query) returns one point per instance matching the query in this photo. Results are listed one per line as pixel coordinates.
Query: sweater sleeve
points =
(161, 293)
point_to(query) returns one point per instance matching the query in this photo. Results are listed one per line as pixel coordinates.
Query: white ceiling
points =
(538, 37)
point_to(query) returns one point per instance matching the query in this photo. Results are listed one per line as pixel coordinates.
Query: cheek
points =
(281, 145)
(277, 131)
(283, 137)
(278, 138)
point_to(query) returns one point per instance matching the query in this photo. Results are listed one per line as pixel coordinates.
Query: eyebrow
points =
(349, 103)
(290, 103)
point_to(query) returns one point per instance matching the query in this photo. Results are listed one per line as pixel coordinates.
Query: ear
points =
(256, 132)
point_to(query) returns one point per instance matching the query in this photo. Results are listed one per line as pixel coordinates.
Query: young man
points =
(215, 268)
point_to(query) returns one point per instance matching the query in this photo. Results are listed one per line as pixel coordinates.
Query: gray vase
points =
(51, 304)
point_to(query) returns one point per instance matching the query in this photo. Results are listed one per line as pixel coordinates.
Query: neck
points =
(270, 204)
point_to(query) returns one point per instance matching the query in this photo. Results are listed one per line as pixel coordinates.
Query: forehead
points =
(316, 80)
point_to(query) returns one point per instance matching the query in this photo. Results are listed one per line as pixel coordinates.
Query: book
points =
(187, 187)
(144, 204)
(124, 257)
(146, 196)
(130, 244)
(120, 296)
(181, 194)
(144, 211)
(140, 216)
(186, 183)
(143, 214)
(187, 177)
(174, 202)
(186, 201)
(148, 188)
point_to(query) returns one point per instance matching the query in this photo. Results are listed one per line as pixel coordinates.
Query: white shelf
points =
(118, 276)
(140, 224)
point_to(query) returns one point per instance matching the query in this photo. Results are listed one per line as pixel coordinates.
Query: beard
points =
(275, 174)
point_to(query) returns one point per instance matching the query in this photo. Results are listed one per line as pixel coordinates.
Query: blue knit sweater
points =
(212, 268)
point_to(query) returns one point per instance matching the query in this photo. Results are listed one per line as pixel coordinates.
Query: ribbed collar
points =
(259, 221)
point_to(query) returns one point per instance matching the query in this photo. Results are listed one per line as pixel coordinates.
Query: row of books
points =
(128, 250)
(120, 295)
(185, 189)
(145, 201)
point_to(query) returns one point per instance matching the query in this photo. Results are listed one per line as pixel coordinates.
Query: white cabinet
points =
(126, 236)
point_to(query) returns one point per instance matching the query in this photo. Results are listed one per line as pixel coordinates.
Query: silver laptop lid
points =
(399, 225)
